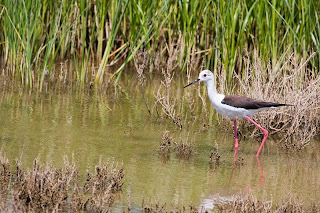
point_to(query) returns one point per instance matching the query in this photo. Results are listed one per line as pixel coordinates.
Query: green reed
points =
(37, 33)
(118, 11)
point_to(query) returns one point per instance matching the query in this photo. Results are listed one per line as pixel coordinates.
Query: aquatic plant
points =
(184, 148)
(242, 202)
(141, 65)
(163, 97)
(47, 188)
(166, 142)
(247, 202)
(214, 158)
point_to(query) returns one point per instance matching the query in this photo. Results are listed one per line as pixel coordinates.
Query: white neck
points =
(214, 96)
(212, 91)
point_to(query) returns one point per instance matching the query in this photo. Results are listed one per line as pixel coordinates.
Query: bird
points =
(235, 107)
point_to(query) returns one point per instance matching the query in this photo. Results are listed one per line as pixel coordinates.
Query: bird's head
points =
(205, 75)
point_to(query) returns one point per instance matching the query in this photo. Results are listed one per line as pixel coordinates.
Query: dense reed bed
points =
(36, 34)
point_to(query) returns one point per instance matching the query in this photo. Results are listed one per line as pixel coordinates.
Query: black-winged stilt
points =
(235, 107)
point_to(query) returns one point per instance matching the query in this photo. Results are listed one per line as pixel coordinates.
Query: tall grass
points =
(35, 33)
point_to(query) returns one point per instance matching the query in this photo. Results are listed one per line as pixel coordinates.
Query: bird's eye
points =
(205, 75)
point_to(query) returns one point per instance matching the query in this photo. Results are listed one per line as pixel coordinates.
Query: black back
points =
(248, 103)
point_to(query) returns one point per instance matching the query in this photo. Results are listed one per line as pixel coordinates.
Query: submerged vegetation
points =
(182, 147)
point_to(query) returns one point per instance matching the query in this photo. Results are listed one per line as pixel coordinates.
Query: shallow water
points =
(55, 124)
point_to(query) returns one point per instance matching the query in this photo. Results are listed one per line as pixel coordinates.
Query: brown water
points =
(52, 125)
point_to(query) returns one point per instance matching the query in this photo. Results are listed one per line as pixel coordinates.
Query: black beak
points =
(192, 83)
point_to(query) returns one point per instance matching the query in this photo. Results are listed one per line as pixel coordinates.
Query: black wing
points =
(248, 103)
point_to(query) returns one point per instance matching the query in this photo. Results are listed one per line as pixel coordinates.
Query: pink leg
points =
(266, 133)
(236, 139)
(260, 170)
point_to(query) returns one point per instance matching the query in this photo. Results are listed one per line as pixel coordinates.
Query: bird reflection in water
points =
(238, 163)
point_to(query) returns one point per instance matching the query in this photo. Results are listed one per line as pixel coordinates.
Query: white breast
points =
(229, 111)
